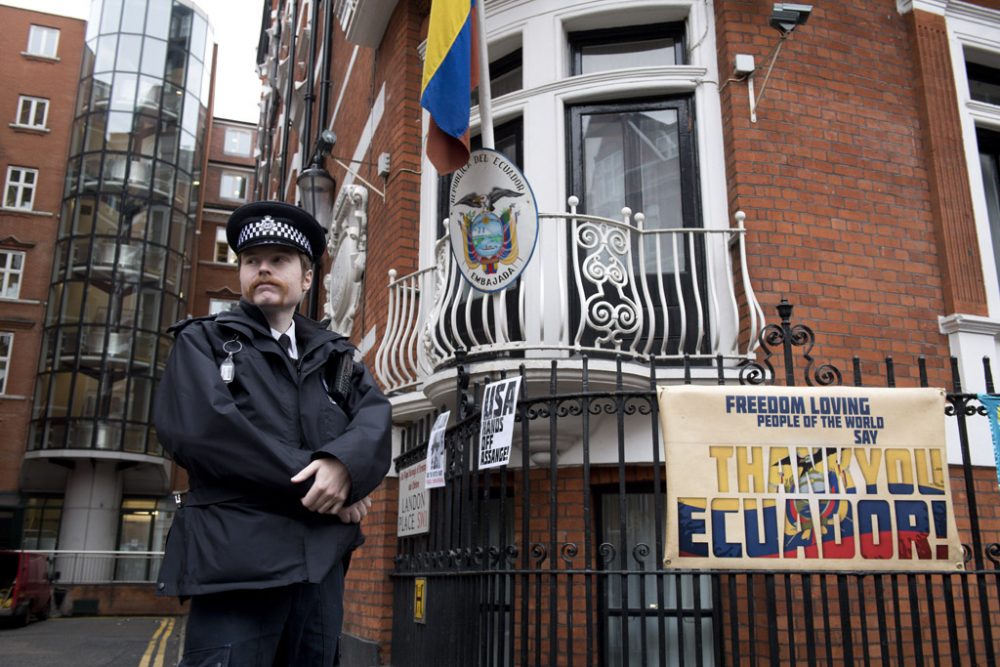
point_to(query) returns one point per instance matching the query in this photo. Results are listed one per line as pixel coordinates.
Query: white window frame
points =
(25, 192)
(32, 104)
(39, 37)
(5, 359)
(237, 134)
(220, 242)
(9, 274)
(548, 90)
(972, 337)
(981, 34)
(226, 182)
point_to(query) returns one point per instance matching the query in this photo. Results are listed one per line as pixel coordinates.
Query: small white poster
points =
(435, 452)
(414, 503)
(497, 427)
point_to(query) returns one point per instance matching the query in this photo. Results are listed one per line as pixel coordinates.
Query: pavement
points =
(99, 641)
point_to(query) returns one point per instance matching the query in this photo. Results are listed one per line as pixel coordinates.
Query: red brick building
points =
(844, 157)
(42, 55)
(229, 182)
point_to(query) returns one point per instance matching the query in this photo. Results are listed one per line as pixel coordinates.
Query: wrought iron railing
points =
(595, 286)
(560, 563)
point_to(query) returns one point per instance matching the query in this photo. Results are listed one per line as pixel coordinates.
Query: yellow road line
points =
(162, 651)
(144, 662)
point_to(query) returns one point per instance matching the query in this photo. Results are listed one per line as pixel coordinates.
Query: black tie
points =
(286, 343)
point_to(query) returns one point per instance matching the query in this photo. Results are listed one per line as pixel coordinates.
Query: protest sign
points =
(436, 456)
(497, 426)
(804, 478)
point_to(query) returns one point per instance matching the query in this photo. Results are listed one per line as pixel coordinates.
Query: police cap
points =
(275, 223)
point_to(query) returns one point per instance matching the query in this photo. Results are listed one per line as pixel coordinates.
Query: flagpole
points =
(485, 96)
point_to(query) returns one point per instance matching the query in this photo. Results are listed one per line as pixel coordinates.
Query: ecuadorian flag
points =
(450, 74)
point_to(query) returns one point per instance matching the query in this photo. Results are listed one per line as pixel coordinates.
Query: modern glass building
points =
(119, 277)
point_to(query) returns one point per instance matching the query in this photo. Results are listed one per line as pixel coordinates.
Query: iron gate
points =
(560, 565)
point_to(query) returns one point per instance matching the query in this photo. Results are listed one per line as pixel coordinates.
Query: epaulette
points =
(176, 327)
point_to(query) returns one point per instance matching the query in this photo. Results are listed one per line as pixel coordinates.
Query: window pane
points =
(105, 59)
(43, 41)
(622, 55)
(134, 15)
(633, 158)
(506, 76)
(984, 83)
(20, 189)
(989, 160)
(223, 253)
(237, 142)
(233, 186)
(6, 343)
(658, 45)
(123, 93)
(24, 115)
(638, 529)
(221, 305)
(129, 52)
(111, 16)
(41, 522)
(656, 135)
(154, 54)
(41, 110)
(11, 263)
(603, 164)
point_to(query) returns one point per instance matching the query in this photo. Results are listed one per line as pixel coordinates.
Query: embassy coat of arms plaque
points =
(493, 220)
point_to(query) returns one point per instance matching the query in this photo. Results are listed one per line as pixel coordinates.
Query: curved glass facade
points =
(127, 226)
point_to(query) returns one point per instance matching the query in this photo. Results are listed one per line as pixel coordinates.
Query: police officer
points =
(283, 436)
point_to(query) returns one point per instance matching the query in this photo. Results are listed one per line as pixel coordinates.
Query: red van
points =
(25, 586)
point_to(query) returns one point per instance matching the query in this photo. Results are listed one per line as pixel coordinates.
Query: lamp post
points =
(316, 191)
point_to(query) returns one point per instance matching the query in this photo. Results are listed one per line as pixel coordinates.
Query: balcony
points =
(608, 289)
(105, 260)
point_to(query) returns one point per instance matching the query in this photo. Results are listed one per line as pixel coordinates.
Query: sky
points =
(236, 25)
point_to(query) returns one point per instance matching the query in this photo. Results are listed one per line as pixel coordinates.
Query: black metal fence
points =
(551, 564)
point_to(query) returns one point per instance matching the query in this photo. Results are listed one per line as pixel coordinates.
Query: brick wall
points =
(32, 233)
(393, 233)
(833, 180)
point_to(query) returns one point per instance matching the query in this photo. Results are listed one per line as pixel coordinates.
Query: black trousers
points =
(297, 625)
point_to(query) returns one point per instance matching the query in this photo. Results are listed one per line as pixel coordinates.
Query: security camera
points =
(787, 16)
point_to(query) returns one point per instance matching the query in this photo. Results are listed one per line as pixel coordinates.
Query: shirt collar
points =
(293, 350)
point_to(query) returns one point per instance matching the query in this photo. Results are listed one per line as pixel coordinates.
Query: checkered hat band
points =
(270, 228)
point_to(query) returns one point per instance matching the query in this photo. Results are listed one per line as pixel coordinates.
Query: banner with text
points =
(496, 430)
(413, 513)
(798, 478)
(436, 457)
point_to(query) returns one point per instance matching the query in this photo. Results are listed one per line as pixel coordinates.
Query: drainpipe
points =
(325, 83)
(286, 129)
(310, 96)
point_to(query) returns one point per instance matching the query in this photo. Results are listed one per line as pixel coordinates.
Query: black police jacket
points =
(242, 525)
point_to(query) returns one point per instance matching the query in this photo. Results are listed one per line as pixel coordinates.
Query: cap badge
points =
(267, 224)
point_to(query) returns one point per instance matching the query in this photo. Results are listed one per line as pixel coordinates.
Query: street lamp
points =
(316, 191)
(316, 186)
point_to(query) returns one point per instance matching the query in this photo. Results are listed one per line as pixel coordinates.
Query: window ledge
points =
(34, 129)
(26, 302)
(40, 57)
(12, 397)
(975, 324)
(25, 211)
(212, 262)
